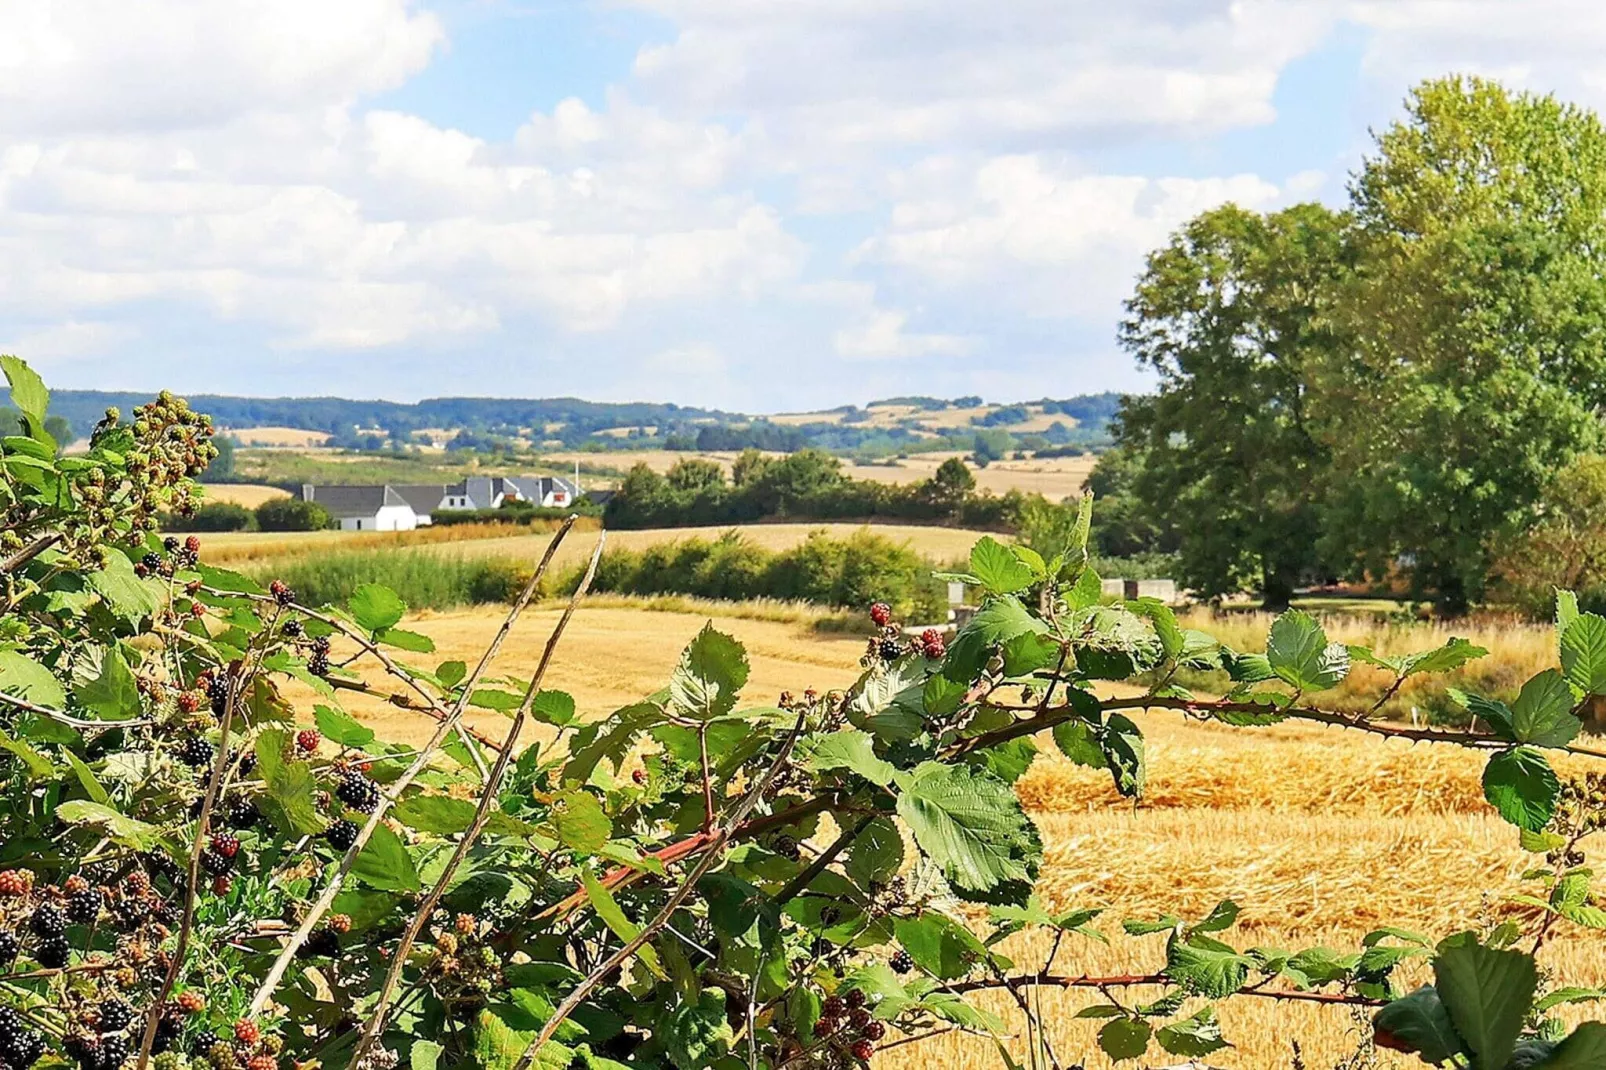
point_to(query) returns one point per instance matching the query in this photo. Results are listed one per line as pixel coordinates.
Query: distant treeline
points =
(485, 423)
(809, 485)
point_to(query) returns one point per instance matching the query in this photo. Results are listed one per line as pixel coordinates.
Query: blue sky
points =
(765, 205)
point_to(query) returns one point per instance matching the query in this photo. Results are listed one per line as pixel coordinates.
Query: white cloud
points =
(881, 335)
(1030, 234)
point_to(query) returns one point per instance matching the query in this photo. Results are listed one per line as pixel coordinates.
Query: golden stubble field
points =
(1319, 834)
(1054, 477)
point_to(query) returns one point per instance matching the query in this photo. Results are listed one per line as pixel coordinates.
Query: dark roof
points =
(352, 501)
(423, 497)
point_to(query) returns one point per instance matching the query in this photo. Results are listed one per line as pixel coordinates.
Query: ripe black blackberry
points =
(170, 913)
(152, 561)
(84, 907)
(320, 645)
(241, 813)
(215, 862)
(113, 1050)
(341, 835)
(53, 952)
(318, 663)
(786, 847)
(293, 629)
(889, 650)
(901, 962)
(48, 920)
(168, 1029)
(171, 544)
(162, 864)
(321, 943)
(358, 792)
(20, 1047)
(247, 762)
(115, 1016)
(217, 693)
(9, 946)
(195, 752)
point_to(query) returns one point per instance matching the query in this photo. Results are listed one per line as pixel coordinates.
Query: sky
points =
(757, 205)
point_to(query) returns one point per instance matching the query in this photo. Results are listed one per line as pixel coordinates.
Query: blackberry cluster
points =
(195, 752)
(52, 952)
(240, 813)
(215, 862)
(341, 834)
(786, 847)
(358, 792)
(281, 592)
(849, 1026)
(932, 644)
(318, 661)
(20, 1047)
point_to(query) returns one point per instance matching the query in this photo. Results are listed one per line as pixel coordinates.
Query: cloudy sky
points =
(764, 205)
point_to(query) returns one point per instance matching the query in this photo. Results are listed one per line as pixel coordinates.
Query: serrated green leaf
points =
(1487, 994)
(1419, 1023)
(1299, 653)
(849, 749)
(1122, 744)
(113, 693)
(119, 826)
(608, 909)
(712, 671)
(492, 699)
(1206, 966)
(1583, 653)
(1125, 1038)
(425, 1055)
(28, 391)
(375, 607)
(876, 853)
(1585, 1049)
(1520, 784)
(1447, 658)
(970, 824)
(413, 642)
(939, 945)
(997, 567)
(580, 822)
(1543, 712)
(39, 767)
(440, 814)
(341, 728)
(553, 707)
(1193, 1037)
(383, 863)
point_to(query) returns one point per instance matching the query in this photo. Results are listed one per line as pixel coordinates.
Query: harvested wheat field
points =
(1318, 833)
(249, 495)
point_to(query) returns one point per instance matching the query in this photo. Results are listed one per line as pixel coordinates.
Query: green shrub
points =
(423, 579)
(214, 516)
(292, 514)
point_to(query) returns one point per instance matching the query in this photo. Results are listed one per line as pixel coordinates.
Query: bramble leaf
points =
(1521, 785)
(1299, 653)
(375, 607)
(971, 824)
(1487, 994)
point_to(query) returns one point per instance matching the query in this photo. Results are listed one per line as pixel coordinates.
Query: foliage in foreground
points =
(198, 872)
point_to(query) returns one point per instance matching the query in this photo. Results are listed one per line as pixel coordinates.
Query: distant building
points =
(403, 507)
(374, 508)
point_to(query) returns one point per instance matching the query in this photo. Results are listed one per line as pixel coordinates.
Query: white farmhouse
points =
(380, 508)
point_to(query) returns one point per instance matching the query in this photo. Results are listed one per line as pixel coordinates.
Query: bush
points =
(292, 514)
(214, 516)
(422, 578)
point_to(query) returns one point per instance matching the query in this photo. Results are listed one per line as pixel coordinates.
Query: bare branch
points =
(488, 799)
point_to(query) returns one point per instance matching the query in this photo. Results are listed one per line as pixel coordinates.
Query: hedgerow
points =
(197, 870)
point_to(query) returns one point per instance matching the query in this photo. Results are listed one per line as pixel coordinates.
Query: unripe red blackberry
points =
(15, 882)
(639, 775)
(863, 1050)
(340, 923)
(881, 614)
(465, 924)
(855, 998)
(191, 1002)
(221, 884)
(875, 1030)
(824, 1027)
(281, 593)
(226, 845)
(308, 739)
(262, 1062)
(246, 1031)
(193, 544)
(833, 1006)
(858, 1017)
(341, 834)
(190, 701)
(74, 884)
(932, 644)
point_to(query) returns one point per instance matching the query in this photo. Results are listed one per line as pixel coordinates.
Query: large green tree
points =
(1227, 315)
(1478, 315)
